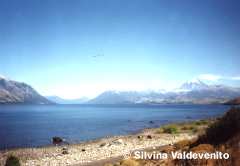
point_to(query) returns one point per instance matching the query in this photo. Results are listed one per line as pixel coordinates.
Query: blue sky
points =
(74, 48)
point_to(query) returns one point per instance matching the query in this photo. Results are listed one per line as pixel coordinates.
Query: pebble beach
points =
(93, 151)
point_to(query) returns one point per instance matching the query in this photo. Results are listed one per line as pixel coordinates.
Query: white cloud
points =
(213, 77)
(209, 77)
(235, 78)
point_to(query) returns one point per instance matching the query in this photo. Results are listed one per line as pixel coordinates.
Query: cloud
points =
(209, 77)
(213, 77)
(235, 78)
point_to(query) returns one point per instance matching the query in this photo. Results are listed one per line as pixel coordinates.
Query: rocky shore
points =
(92, 151)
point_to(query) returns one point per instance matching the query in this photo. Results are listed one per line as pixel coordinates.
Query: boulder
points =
(149, 137)
(57, 140)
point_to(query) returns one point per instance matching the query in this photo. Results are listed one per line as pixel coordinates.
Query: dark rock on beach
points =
(57, 140)
(65, 150)
(149, 137)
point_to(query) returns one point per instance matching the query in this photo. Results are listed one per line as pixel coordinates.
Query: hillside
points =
(13, 92)
(235, 101)
(223, 136)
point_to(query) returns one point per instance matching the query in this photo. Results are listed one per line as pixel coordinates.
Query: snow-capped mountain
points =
(196, 92)
(125, 97)
(193, 85)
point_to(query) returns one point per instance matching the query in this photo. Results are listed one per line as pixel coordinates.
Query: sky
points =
(75, 48)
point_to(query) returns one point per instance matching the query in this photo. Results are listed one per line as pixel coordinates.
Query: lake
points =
(35, 125)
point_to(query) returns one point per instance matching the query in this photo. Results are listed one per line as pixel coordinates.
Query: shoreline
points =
(137, 132)
(107, 148)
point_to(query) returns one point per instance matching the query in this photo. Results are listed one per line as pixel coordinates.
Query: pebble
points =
(97, 152)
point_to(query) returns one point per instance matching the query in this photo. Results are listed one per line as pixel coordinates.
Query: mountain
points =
(125, 97)
(60, 100)
(195, 92)
(13, 92)
(193, 85)
(235, 101)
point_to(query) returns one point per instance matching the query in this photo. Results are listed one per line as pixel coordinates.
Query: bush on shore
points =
(186, 127)
(222, 130)
(12, 161)
(169, 129)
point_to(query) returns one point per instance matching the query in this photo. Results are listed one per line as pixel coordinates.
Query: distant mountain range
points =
(60, 100)
(13, 92)
(193, 92)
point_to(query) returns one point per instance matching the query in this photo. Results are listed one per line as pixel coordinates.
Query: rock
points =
(83, 150)
(57, 140)
(118, 142)
(103, 144)
(65, 150)
(140, 137)
(149, 137)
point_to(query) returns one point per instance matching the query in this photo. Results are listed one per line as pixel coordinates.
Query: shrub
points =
(198, 123)
(12, 161)
(185, 128)
(195, 130)
(205, 122)
(224, 129)
(201, 122)
(171, 129)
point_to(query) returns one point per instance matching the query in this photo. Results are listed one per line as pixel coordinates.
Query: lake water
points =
(27, 126)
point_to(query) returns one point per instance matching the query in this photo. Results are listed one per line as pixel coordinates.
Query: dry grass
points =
(183, 144)
(129, 162)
